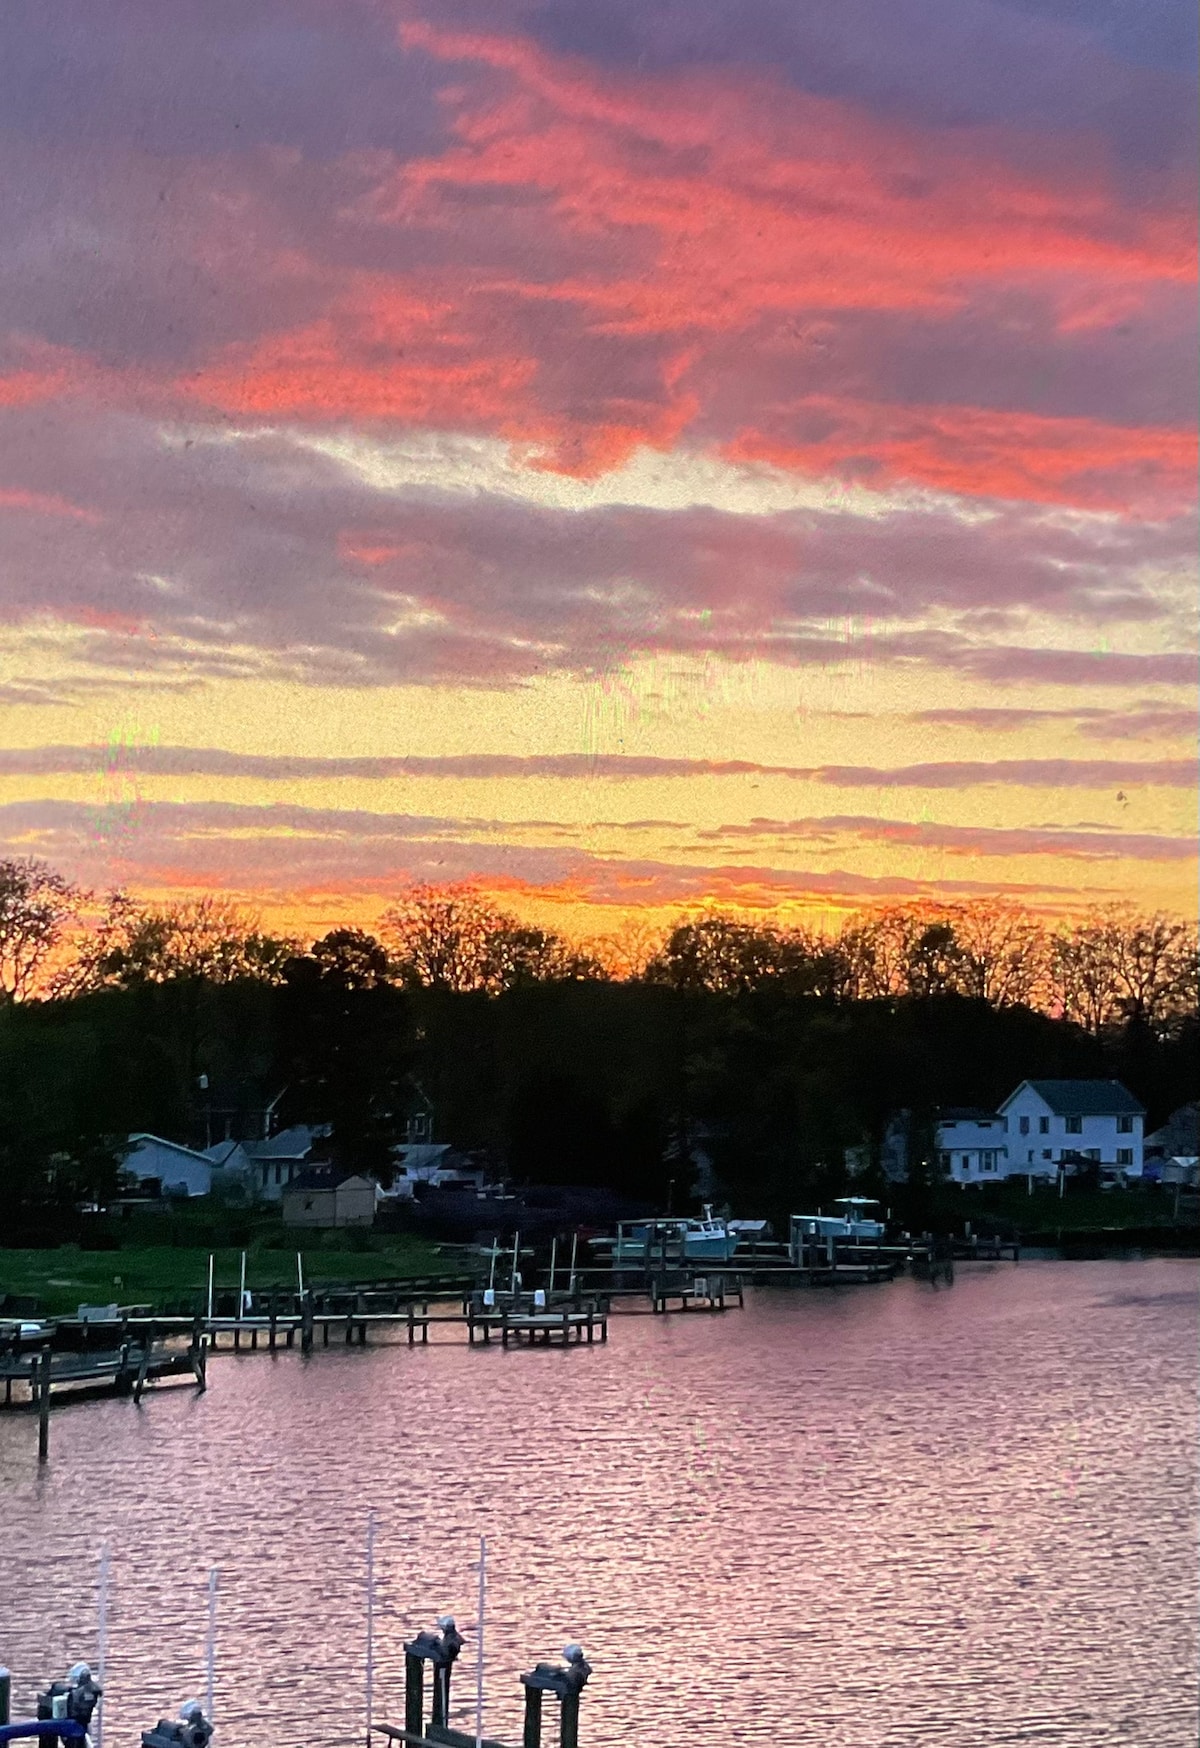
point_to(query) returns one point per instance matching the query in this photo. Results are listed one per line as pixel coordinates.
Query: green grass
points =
(159, 1275)
(1077, 1211)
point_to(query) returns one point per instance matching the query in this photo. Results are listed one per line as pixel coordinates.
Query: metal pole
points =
(242, 1288)
(553, 1259)
(370, 1622)
(299, 1275)
(211, 1262)
(210, 1648)
(516, 1254)
(97, 1731)
(479, 1657)
(495, 1255)
(574, 1248)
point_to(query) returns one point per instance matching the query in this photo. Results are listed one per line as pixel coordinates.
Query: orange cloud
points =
(987, 451)
(684, 212)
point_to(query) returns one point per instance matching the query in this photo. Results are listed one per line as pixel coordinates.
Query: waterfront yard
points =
(165, 1274)
(1046, 1213)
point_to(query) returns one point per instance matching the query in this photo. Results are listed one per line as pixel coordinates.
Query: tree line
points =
(1111, 968)
(767, 1050)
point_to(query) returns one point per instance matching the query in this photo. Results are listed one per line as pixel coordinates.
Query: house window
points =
(1044, 1127)
(988, 1162)
(1024, 1125)
(1124, 1155)
(944, 1160)
(1029, 1156)
(1074, 1125)
(1124, 1125)
(278, 1174)
(1046, 1153)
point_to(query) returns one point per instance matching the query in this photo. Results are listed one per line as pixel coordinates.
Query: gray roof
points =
(965, 1114)
(1180, 1133)
(1084, 1098)
(293, 1143)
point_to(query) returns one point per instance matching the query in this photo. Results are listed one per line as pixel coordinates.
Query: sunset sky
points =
(631, 456)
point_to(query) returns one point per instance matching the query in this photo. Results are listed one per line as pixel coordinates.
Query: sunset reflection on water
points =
(875, 1518)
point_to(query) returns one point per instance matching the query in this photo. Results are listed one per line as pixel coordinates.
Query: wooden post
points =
(532, 1737)
(438, 1710)
(44, 1406)
(414, 1696)
(199, 1355)
(143, 1368)
(271, 1336)
(5, 1695)
(568, 1724)
(306, 1324)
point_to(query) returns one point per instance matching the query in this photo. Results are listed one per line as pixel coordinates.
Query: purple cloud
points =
(175, 761)
(315, 850)
(1094, 844)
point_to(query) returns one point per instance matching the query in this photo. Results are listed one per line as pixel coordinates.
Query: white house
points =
(1053, 1122)
(273, 1164)
(972, 1144)
(180, 1171)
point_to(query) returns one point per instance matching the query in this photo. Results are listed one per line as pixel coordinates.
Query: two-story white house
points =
(972, 1144)
(1055, 1122)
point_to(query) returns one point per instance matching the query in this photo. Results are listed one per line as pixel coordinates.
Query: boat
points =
(673, 1239)
(858, 1218)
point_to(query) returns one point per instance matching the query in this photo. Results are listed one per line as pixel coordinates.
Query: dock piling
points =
(43, 1396)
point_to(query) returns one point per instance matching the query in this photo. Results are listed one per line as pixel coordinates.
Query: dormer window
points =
(1074, 1125)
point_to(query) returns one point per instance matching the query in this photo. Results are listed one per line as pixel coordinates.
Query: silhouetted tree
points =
(37, 905)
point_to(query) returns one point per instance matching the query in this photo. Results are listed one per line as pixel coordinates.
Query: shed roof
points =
(1083, 1098)
(326, 1177)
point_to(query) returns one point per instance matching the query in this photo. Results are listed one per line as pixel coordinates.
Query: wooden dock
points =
(45, 1376)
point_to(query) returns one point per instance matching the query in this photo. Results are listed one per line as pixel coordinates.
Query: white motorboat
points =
(673, 1239)
(857, 1218)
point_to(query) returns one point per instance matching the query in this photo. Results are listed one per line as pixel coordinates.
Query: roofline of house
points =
(1092, 1080)
(175, 1146)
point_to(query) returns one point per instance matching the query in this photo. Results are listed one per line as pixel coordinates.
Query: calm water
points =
(888, 1517)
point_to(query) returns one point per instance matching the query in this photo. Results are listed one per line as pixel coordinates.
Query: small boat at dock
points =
(857, 1219)
(707, 1239)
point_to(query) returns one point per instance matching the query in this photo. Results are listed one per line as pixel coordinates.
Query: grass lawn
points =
(1077, 1211)
(158, 1275)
